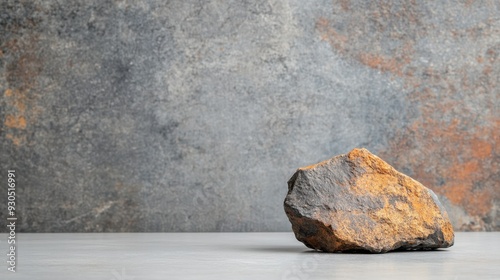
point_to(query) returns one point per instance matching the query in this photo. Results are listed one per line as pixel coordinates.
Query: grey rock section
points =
(180, 115)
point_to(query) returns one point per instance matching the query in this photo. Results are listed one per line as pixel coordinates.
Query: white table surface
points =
(125, 256)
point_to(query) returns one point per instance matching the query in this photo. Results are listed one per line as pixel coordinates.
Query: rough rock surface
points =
(188, 115)
(359, 202)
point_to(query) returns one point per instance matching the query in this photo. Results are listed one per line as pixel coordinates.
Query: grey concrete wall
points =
(192, 115)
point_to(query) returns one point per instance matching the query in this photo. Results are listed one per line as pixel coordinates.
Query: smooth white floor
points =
(126, 256)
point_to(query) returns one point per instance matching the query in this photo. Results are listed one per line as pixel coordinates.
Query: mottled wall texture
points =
(183, 115)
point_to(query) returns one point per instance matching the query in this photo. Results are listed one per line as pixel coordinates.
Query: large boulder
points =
(359, 202)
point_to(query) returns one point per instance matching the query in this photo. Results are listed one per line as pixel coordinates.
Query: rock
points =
(359, 202)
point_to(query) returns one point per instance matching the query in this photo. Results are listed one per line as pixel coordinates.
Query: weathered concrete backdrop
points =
(192, 115)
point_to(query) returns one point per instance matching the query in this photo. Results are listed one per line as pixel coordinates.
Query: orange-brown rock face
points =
(359, 202)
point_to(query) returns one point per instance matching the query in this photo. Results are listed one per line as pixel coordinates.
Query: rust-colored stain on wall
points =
(452, 146)
(21, 99)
